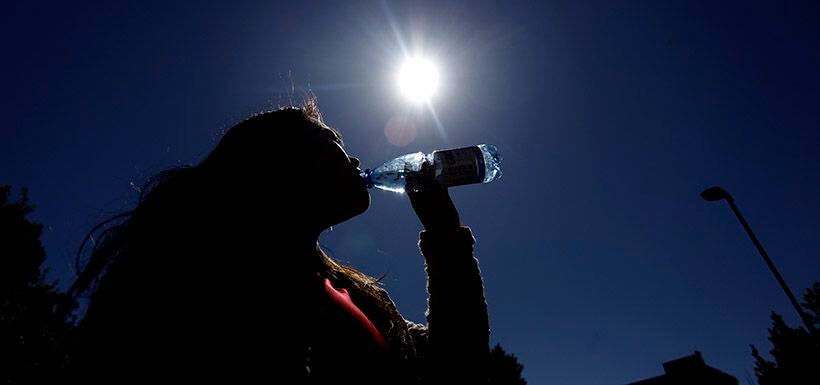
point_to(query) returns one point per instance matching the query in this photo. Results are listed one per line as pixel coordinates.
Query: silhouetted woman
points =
(217, 275)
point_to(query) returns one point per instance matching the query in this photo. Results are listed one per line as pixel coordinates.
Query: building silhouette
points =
(689, 370)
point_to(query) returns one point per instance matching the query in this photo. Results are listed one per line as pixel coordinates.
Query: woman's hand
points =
(431, 201)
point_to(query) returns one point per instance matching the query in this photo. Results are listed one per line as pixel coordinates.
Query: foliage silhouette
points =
(795, 351)
(504, 368)
(36, 326)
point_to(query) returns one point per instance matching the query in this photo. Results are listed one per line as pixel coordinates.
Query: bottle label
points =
(459, 166)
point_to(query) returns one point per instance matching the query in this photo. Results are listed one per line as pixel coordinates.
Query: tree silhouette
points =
(35, 318)
(795, 351)
(504, 368)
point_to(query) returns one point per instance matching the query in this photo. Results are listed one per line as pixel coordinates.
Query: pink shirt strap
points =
(342, 298)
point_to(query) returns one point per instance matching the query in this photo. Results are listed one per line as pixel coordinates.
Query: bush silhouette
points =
(35, 317)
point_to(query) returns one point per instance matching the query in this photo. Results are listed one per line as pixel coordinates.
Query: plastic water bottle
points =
(453, 167)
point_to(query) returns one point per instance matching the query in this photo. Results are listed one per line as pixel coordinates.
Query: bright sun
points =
(418, 79)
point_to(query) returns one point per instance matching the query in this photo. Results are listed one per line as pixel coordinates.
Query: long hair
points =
(196, 236)
(170, 195)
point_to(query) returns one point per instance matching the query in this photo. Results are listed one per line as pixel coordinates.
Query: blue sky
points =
(600, 259)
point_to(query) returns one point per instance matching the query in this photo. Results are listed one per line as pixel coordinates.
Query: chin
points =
(356, 204)
(362, 203)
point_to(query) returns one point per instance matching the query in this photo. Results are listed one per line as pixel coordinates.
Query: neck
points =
(300, 241)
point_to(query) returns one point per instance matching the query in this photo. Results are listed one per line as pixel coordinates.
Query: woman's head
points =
(274, 178)
(289, 165)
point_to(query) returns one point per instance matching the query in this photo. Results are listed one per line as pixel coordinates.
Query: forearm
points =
(457, 321)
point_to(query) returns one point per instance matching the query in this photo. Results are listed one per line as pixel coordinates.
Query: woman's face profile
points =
(343, 192)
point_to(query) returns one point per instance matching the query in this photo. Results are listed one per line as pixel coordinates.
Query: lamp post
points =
(716, 193)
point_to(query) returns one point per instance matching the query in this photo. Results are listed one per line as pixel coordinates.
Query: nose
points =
(355, 161)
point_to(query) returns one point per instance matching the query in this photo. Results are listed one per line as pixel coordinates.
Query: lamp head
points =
(715, 193)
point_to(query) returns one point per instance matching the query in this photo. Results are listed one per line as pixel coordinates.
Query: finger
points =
(411, 183)
(420, 180)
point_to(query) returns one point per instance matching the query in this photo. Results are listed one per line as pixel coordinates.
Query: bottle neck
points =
(368, 177)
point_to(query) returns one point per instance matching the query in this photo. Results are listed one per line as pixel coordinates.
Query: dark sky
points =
(600, 259)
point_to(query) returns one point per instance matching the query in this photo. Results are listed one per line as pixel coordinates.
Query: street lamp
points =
(716, 193)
